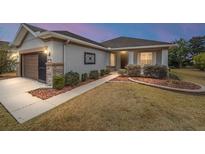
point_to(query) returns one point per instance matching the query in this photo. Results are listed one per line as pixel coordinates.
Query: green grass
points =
(192, 75)
(123, 106)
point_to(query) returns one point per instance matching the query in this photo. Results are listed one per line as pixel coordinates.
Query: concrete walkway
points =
(15, 97)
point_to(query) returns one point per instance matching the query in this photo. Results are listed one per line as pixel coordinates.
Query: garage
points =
(33, 66)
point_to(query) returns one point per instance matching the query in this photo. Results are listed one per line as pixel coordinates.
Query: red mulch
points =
(120, 78)
(169, 83)
(45, 93)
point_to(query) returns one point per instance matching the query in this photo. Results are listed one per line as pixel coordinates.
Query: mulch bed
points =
(169, 83)
(46, 93)
(162, 82)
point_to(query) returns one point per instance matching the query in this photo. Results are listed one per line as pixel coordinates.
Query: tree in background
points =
(178, 55)
(196, 46)
(7, 62)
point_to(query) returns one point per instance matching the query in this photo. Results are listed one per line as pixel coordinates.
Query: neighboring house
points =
(44, 54)
(3, 43)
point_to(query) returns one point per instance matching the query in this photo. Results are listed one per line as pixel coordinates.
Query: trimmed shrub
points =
(94, 74)
(72, 78)
(122, 72)
(173, 76)
(199, 61)
(102, 72)
(84, 77)
(133, 70)
(58, 82)
(107, 71)
(155, 71)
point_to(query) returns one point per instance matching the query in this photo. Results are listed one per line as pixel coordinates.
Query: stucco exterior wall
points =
(74, 59)
(56, 51)
(159, 57)
(31, 42)
(165, 57)
(54, 47)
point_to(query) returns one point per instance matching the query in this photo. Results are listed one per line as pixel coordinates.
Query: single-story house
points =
(2, 43)
(43, 53)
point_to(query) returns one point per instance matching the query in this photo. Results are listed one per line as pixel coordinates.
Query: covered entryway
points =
(123, 59)
(33, 66)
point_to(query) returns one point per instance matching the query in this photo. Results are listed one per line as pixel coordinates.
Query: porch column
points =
(165, 57)
(130, 57)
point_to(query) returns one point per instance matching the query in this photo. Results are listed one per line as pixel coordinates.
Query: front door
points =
(123, 59)
(42, 59)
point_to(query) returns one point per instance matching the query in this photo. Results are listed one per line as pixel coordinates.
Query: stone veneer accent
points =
(53, 69)
(18, 69)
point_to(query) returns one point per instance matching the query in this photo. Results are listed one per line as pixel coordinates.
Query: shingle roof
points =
(34, 28)
(66, 33)
(120, 42)
(3, 43)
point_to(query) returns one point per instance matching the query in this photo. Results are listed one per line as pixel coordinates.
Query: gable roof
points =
(67, 33)
(122, 42)
(35, 29)
(113, 44)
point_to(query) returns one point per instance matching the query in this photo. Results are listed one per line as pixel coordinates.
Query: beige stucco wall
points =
(31, 42)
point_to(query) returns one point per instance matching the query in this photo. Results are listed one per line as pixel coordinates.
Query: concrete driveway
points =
(23, 106)
(14, 93)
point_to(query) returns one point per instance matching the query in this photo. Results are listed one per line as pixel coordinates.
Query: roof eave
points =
(143, 47)
(14, 42)
(48, 34)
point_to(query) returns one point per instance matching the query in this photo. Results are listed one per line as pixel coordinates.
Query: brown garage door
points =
(30, 66)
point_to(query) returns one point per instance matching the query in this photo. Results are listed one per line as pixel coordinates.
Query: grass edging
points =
(201, 90)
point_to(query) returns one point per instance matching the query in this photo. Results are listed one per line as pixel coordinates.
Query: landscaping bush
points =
(102, 72)
(133, 70)
(94, 74)
(122, 72)
(72, 78)
(199, 61)
(173, 76)
(107, 71)
(58, 82)
(84, 77)
(155, 71)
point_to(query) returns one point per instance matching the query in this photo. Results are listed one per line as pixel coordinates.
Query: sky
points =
(104, 31)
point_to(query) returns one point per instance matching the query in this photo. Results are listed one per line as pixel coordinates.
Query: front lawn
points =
(123, 106)
(192, 75)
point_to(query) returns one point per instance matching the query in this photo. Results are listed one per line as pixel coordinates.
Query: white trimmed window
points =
(146, 58)
(112, 59)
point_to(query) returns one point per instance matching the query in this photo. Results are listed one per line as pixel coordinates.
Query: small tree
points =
(178, 55)
(7, 63)
(196, 45)
(199, 61)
